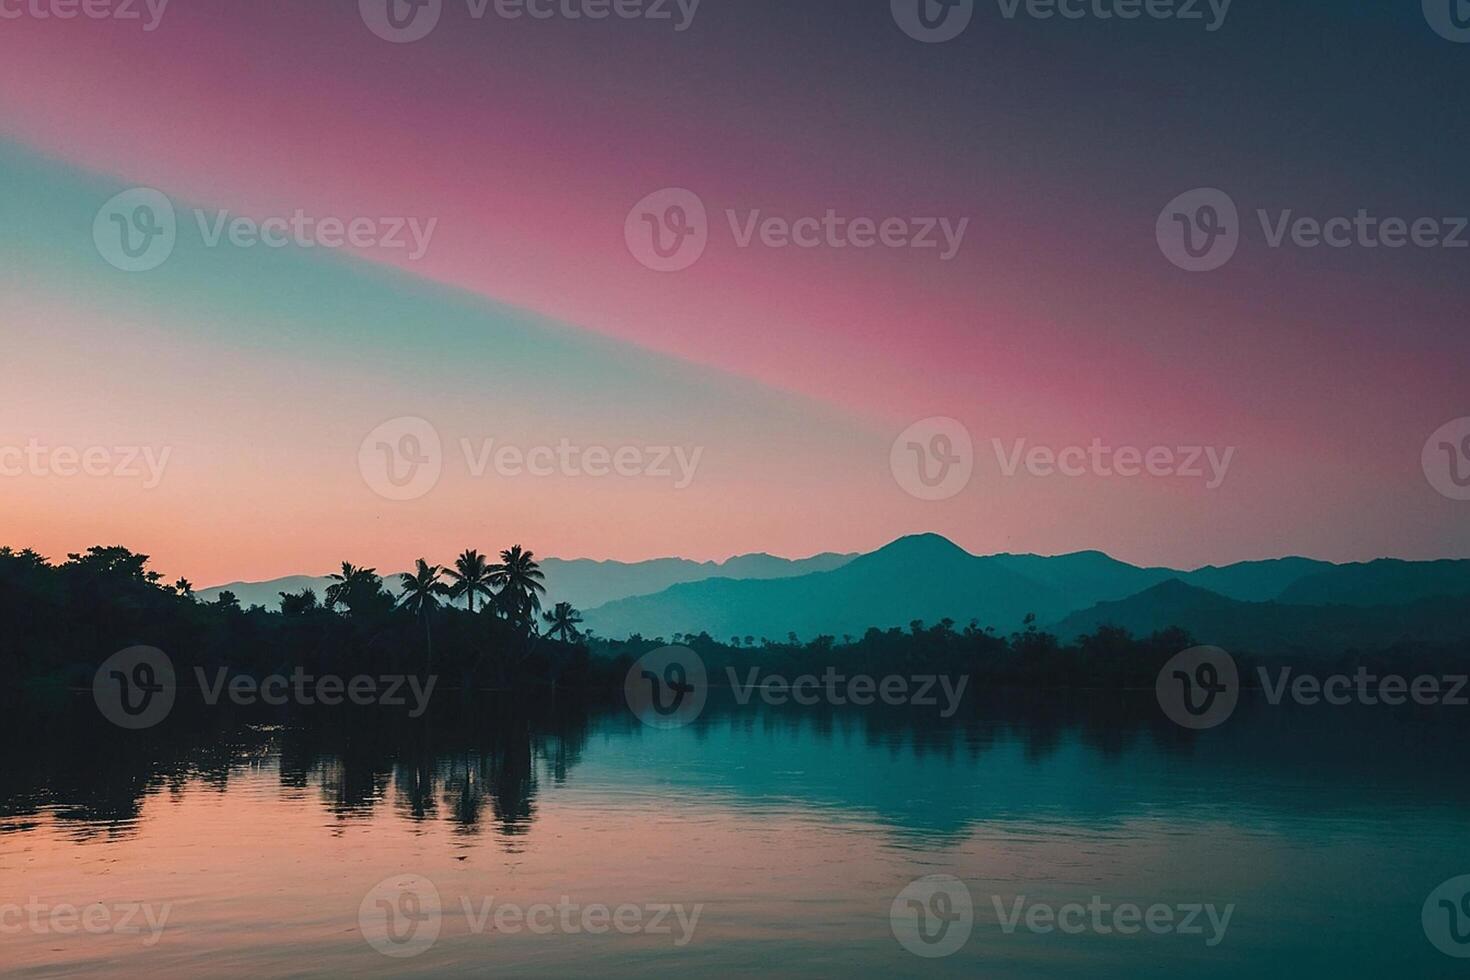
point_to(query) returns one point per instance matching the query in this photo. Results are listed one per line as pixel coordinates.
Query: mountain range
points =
(584, 582)
(1273, 605)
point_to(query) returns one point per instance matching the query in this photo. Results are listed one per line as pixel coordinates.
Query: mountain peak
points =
(925, 545)
(1174, 588)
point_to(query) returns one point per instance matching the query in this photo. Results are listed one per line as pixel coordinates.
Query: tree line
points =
(58, 621)
(480, 623)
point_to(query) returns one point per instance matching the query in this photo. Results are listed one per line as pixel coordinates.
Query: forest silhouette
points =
(482, 624)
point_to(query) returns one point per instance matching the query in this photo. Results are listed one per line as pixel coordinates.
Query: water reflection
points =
(481, 764)
(263, 829)
(472, 763)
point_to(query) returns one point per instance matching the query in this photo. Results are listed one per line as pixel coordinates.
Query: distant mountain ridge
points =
(1387, 580)
(923, 577)
(1276, 626)
(584, 582)
(1273, 604)
(928, 578)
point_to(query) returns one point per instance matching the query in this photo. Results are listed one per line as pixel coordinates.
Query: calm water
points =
(790, 831)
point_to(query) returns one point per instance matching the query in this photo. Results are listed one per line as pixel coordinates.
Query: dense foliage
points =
(61, 620)
(58, 621)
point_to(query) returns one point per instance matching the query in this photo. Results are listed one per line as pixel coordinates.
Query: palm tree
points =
(519, 579)
(563, 620)
(421, 592)
(184, 588)
(471, 575)
(349, 583)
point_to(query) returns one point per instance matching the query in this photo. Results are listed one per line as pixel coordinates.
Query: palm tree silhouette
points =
(421, 592)
(349, 582)
(563, 620)
(519, 579)
(184, 588)
(471, 575)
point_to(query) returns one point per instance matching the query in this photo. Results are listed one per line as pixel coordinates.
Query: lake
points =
(1074, 835)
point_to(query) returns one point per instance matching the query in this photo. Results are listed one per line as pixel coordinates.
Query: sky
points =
(762, 398)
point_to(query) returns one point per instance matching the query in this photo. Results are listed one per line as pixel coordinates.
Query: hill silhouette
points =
(584, 582)
(1275, 627)
(1255, 581)
(1275, 604)
(1271, 604)
(1387, 580)
(923, 577)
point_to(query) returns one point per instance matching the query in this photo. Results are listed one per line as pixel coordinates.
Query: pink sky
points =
(1057, 322)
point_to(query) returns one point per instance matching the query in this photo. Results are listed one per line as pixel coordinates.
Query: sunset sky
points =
(528, 320)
